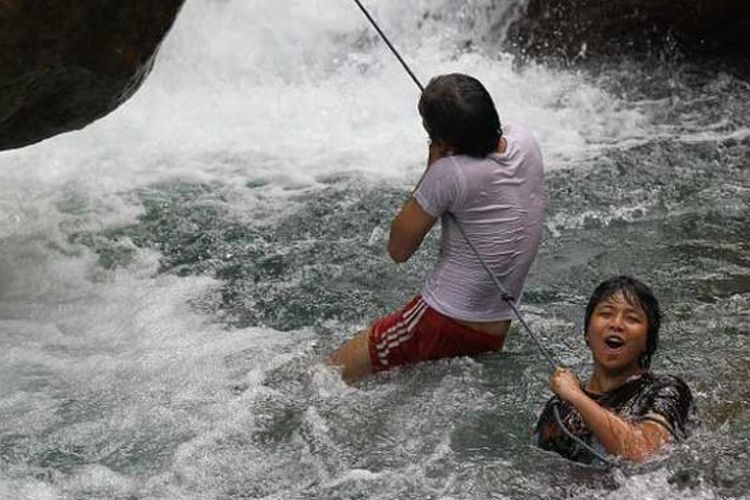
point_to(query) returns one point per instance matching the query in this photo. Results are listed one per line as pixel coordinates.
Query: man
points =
(492, 184)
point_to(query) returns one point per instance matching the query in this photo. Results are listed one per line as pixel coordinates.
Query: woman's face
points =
(617, 334)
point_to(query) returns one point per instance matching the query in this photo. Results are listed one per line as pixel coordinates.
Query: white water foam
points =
(309, 86)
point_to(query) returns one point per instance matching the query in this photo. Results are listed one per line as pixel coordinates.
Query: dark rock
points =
(579, 29)
(65, 63)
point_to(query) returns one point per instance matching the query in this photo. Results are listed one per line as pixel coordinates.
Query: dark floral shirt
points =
(663, 399)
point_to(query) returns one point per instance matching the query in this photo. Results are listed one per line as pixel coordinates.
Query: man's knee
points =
(353, 357)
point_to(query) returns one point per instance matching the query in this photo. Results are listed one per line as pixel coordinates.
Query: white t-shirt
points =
(499, 202)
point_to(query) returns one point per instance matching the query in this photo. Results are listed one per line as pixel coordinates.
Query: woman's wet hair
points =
(458, 111)
(637, 294)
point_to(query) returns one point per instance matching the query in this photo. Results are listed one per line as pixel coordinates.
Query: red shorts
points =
(419, 333)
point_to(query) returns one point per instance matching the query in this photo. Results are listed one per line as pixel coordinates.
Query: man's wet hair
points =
(637, 294)
(459, 112)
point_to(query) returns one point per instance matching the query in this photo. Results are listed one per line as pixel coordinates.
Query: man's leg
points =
(353, 358)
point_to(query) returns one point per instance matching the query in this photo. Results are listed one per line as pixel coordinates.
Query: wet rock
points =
(65, 63)
(581, 29)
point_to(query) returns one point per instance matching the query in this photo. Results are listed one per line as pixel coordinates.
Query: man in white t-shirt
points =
(491, 181)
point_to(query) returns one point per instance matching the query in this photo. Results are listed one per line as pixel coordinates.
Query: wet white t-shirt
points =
(499, 201)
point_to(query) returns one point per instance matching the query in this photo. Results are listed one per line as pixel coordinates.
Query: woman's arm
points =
(630, 440)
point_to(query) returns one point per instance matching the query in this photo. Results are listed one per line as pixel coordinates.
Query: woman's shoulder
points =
(668, 400)
(667, 390)
(644, 390)
(662, 380)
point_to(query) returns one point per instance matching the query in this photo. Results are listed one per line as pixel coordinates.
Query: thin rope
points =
(506, 296)
(609, 462)
(390, 46)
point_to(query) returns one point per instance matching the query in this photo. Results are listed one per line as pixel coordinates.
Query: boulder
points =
(579, 29)
(65, 63)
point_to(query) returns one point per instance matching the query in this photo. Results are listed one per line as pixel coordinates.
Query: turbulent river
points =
(173, 276)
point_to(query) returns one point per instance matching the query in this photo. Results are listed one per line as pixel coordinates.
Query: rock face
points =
(579, 29)
(65, 63)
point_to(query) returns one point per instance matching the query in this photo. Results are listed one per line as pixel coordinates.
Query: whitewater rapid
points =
(173, 275)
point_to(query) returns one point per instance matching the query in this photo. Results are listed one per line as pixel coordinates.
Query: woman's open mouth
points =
(614, 342)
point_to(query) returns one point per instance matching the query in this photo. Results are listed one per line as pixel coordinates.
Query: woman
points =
(491, 180)
(623, 409)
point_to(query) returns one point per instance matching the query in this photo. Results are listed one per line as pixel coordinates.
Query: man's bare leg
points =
(353, 358)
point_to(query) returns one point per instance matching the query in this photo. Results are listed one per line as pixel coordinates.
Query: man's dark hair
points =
(637, 294)
(459, 112)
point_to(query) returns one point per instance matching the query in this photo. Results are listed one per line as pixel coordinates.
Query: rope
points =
(390, 46)
(506, 296)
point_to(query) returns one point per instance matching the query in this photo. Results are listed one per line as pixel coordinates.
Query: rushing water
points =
(173, 276)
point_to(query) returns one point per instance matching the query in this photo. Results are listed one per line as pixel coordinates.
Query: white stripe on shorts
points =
(404, 326)
(400, 332)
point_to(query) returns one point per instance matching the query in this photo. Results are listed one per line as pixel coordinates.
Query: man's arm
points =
(412, 223)
(630, 440)
(408, 229)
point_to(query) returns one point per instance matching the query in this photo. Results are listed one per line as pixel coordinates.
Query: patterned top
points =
(663, 399)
